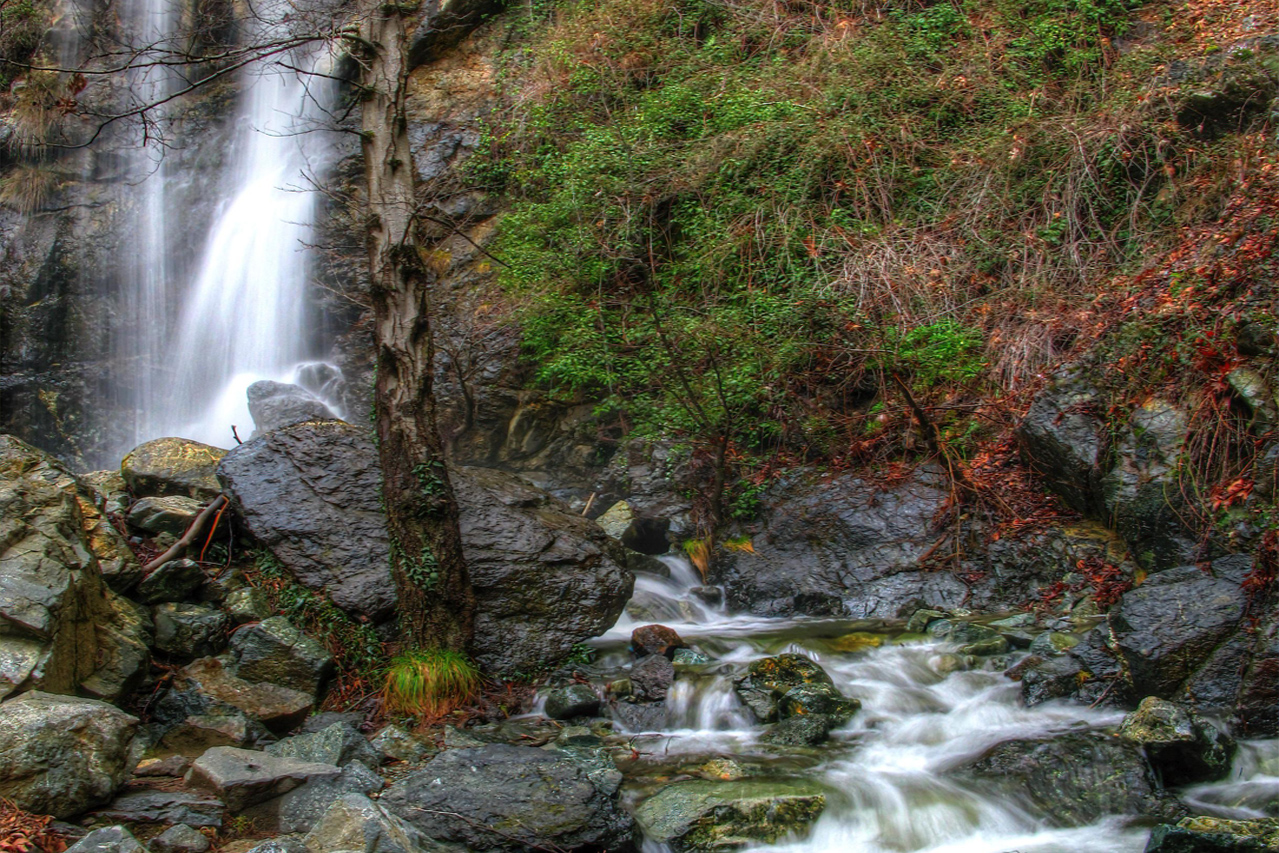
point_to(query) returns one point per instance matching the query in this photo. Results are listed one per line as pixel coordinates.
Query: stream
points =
(886, 770)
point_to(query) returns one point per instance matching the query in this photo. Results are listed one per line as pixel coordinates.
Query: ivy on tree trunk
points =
(436, 602)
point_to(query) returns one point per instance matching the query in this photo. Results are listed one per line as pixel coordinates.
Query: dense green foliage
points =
(737, 219)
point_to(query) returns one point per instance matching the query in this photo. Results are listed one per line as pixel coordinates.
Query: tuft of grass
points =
(27, 187)
(429, 682)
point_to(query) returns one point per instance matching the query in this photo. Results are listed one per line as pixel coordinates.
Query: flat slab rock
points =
(242, 777)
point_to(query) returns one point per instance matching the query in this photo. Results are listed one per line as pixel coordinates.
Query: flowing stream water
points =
(887, 769)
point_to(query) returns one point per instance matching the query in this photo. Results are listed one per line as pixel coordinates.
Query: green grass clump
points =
(429, 682)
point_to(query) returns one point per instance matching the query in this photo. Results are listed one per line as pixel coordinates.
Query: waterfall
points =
(241, 313)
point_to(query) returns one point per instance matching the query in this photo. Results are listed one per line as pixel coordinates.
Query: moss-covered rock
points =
(1182, 745)
(701, 815)
(173, 466)
(1215, 835)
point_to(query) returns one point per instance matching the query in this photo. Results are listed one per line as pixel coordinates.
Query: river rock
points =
(700, 815)
(278, 708)
(276, 404)
(823, 699)
(165, 807)
(1076, 779)
(651, 677)
(189, 630)
(339, 744)
(52, 598)
(180, 839)
(767, 680)
(1142, 493)
(1215, 835)
(1089, 673)
(242, 777)
(801, 730)
(356, 823)
(173, 466)
(463, 792)
(841, 546)
(275, 651)
(1162, 654)
(171, 514)
(1183, 746)
(655, 640)
(1064, 438)
(125, 637)
(176, 580)
(108, 839)
(302, 808)
(575, 700)
(60, 755)
(544, 578)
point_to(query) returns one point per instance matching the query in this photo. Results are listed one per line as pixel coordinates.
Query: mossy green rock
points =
(700, 815)
(1215, 835)
(769, 679)
(824, 699)
(1181, 744)
(173, 466)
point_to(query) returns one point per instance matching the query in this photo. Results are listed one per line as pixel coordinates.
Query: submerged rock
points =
(700, 815)
(499, 797)
(1076, 779)
(1183, 746)
(60, 755)
(173, 466)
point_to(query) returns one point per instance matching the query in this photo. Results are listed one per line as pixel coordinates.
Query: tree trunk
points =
(436, 602)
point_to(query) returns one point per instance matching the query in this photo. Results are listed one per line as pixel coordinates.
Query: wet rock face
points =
(841, 547)
(276, 404)
(791, 685)
(464, 796)
(544, 578)
(698, 816)
(242, 777)
(1215, 835)
(1163, 652)
(1076, 779)
(60, 755)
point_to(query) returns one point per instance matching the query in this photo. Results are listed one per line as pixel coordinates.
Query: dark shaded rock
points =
(702, 815)
(823, 699)
(275, 651)
(1223, 92)
(1215, 835)
(644, 564)
(173, 466)
(180, 839)
(110, 839)
(167, 807)
(1183, 746)
(278, 708)
(400, 745)
(1063, 438)
(1162, 653)
(189, 630)
(125, 637)
(544, 578)
(575, 700)
(276, 404)
(647, 536)
(1089, 672)
(1142, 492)
(651, 677)
(443, 24)
(171, 514)
(247, 605)
(242, 777)
(841, 546)
(463, 792)
(356, 823)
(802, 730)
(60, 755)
(1076, 779)
(635, 718)
(176, 580)
(302, 808)
(339, 744)
(320, 721)
(655, 640)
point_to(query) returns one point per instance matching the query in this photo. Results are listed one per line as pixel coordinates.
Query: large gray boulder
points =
(60, 755)
(242, 777)
(276, 404)
(499, 797)
(52, 596)
(1170, 627)
(701, 816)
(356, 823)
(544, 578)
(173, 466)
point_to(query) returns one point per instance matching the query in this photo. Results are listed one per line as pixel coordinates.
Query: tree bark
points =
(436, 602)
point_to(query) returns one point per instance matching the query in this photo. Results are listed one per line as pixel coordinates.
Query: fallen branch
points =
(193, 532)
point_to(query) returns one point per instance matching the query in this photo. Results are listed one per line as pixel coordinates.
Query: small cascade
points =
(888, 770)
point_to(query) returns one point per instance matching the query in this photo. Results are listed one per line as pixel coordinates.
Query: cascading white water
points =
(886, 770)
(243, 313)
